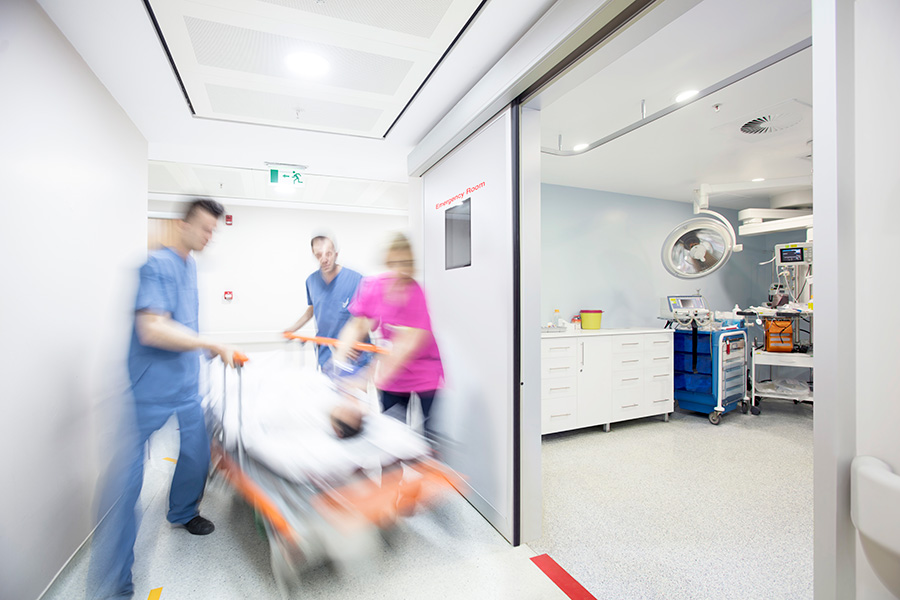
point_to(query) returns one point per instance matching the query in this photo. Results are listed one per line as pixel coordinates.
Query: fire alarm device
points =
(228, 219)
(229, 295)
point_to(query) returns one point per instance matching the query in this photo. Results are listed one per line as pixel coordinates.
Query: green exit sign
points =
(285, 177)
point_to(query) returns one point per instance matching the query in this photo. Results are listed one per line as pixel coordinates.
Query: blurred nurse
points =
(393, 303)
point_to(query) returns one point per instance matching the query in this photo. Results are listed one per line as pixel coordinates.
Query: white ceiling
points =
(118, 41)
(665, 159)
(696, 144)
(231, 56)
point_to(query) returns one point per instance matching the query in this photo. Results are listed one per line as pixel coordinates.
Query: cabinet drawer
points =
(630, 361)
(558, 387)
(629, 404)
(659, 387)
(628, 343)
(659, 363)
(629, 379)
(558, 414)
(557, 348)
(558, 366)
(658, 345)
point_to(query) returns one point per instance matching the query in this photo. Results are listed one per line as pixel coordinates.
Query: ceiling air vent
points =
(770, 123)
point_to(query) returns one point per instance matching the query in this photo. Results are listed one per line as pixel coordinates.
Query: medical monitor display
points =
(676, 302)
(458, 236)
(791, 255)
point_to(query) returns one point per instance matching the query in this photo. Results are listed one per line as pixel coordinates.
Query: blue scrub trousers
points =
(113, 547)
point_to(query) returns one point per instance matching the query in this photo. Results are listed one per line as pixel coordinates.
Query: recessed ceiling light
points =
(579, 147)
(686, 95)
(758, 179)
(305, 64)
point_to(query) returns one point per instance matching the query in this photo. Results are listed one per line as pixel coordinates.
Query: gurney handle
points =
(239, 358)
(324, 341)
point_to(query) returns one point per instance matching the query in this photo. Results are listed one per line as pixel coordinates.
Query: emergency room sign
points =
(459, 196)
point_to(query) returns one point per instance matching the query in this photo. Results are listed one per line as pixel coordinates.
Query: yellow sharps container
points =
(590, 319)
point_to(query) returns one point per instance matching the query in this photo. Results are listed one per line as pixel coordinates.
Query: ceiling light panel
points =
(231, 58)
(249, 51)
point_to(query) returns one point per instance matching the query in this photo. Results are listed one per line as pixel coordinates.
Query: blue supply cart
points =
(711, 371)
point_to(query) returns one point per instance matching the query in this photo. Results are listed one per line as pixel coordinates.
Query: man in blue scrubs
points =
(329, 292)
(164, 367)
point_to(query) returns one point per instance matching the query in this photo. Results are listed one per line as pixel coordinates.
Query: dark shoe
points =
(199, 526)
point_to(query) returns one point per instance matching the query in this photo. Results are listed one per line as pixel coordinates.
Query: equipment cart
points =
(711, 371)
(787, 350)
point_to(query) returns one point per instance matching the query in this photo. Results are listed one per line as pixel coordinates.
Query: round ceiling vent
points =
(770, 123)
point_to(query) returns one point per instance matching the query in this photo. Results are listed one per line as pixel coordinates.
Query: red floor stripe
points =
(561, 578)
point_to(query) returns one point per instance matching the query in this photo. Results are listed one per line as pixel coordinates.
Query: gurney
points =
(316, 494)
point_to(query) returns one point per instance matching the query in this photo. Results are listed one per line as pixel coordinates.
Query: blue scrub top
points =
(331, 304)
(168, 284)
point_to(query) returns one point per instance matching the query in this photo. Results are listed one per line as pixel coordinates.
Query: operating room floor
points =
(685, 509)
(449, 552)
(676, 510)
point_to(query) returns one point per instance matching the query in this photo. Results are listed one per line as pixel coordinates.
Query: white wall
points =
(877, 217)
(264, 258)
(73, 184)
(835, 297)
(601, 250)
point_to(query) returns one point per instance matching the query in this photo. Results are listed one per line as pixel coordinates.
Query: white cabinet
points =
(593, 387)
(558, 385)
(602, 377)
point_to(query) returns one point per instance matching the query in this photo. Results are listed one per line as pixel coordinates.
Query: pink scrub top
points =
(423, 372)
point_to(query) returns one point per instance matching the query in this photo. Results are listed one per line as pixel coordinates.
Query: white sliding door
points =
(469, 222)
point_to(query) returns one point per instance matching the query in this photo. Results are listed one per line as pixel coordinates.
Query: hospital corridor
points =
(458, 299)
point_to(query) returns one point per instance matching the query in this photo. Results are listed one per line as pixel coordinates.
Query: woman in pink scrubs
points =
(394, 303)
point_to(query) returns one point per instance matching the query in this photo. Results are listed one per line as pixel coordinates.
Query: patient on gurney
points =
(347, 419)
(315, 457)
(307, 427)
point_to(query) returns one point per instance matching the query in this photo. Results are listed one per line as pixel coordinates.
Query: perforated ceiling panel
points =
(242, 49)
(234, 58)
(415, 17)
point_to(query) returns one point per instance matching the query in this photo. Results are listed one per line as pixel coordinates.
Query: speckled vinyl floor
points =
(685, 509)
(450, 552)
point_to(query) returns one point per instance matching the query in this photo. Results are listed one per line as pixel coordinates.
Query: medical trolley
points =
(711, 371)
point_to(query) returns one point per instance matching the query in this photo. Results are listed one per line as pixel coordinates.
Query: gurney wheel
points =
(754, 410)
(715, 418)
(286, 560)
(745, 407)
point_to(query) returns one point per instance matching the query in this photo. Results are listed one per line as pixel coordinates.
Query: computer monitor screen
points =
(791, 255)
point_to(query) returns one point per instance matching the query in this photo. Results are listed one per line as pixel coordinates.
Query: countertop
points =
(596, 332)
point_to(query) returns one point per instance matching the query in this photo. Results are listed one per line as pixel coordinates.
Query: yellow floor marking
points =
(155, 594)
(170, 460)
